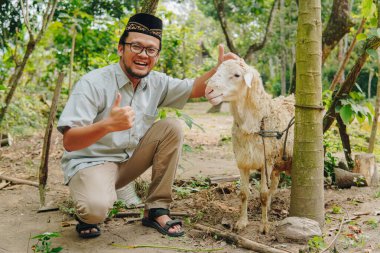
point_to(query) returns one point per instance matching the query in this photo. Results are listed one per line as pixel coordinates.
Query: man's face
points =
(137, 66)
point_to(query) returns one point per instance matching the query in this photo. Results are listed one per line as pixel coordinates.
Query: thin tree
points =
(372, 138)
(149, 6)
(44, 166)
(35, 35)
(307, 198)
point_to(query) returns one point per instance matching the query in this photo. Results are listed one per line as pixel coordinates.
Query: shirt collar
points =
(122, 78)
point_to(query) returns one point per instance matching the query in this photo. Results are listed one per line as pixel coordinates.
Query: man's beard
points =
(133, 74)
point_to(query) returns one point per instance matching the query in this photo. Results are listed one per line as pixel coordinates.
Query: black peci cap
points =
(145, 23)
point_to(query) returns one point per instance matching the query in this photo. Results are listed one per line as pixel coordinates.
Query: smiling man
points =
(111, 135)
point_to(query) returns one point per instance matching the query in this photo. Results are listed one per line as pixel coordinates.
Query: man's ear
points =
(120, 50)
(248, 77)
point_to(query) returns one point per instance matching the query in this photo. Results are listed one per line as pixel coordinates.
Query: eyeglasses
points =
(137, 49)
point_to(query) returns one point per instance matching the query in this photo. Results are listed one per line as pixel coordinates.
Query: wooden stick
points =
(44, 168)
(240, 241)
(4, 184)
(19, 181)
(337, 234)
(129, 214)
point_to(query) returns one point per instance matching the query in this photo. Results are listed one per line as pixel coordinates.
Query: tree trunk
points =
(339, 25)
(345, 138)
(15, 79)
(283, 50)
(44, 167)
(19, 69)
(149, 6)
(372, 138)
(307, 199)
(370, 76)
(72, 53)
(328, 119)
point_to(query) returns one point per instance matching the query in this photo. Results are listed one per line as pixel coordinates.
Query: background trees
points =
(76, 36)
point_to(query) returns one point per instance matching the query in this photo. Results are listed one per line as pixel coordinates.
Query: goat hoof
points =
(264, 229)
(240, 225)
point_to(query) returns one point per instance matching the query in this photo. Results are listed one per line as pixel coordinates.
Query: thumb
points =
(221, 53)
(117, 100)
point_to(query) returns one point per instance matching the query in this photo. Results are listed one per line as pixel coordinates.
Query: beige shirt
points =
(92, 99)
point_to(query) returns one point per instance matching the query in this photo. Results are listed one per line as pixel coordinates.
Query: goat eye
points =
(237, 75)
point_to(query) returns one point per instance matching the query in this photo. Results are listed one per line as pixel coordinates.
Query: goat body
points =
(255, 115)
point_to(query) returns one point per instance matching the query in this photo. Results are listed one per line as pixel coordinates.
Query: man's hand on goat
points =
(224, 57)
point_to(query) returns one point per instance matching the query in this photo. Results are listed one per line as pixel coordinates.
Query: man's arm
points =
(200, 82)
(120, 118)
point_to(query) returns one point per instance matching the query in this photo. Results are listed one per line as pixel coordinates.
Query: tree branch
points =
(338, 26)
(219, 6)
(348, 84)
(347, 57)
(25, 13)
(258, 46)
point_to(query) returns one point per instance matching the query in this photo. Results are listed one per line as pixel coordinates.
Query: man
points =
(110, 134)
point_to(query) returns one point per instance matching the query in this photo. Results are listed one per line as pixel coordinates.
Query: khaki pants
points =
(93, 189)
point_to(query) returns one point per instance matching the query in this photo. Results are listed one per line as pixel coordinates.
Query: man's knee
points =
(173, 126)
(93, 211)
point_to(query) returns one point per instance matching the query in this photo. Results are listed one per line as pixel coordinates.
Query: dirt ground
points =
(207, 154)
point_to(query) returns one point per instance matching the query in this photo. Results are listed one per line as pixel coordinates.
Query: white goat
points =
(257, 118)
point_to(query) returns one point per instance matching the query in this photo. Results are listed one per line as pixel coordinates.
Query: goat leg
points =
(244, 195)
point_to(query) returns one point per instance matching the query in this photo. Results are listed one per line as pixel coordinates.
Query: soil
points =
(208, 154)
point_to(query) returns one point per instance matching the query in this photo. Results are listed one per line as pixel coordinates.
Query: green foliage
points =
(224, 139)
(316, 244)
(10, 20)
(372, 222)
(337, 209)
(194, 185)
(118, 205)
(353, 108)
(285, 180)
(330, 162)
(43, 244)
(187, 119)
(360, 181)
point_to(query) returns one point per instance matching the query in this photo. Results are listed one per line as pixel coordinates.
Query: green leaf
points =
(2, 87)
(370, 107)
(56, 250)
(361, 36)
(346, 114)
(371, 52)
(366, 8)
(360, 117)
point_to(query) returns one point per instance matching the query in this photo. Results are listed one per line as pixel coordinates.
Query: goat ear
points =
(248, 78)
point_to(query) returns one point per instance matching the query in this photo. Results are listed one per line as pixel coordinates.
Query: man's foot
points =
(87, 230)
(159, 219)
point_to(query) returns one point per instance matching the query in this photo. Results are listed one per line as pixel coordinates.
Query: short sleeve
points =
(178, 91)
(82, 107)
